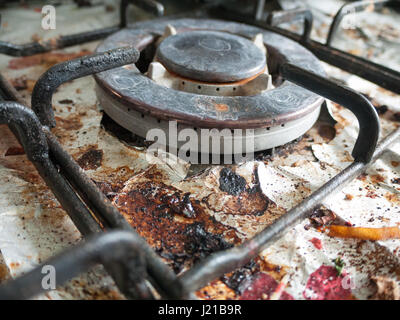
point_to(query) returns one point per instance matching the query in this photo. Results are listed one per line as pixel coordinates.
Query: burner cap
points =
(211, 56)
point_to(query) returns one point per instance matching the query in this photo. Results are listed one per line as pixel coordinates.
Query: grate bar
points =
(278, 17)
(73, 69)
(354, 7)
(120, 248)
(376, 73)
(32, 48)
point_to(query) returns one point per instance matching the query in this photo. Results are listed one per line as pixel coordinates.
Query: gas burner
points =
(211, 63)
(207, 74)
(211, 56)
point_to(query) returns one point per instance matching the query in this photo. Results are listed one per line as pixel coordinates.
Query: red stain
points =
(260, 287)
(325, 284)
(317, 243)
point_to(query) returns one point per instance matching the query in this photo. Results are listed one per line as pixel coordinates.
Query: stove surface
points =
(212, 206)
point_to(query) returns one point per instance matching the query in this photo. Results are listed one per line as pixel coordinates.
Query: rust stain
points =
(23, 83)
(348, 197)
(395, 164)
(175, 225)
(237, 197)
(392, 198)
(377, 178)
(274, 270)
(101, 293)
(115, 178)
(15, 265)
(221, 107)
(385, 288)
(47, 60)
(4, 273)
(72, 122)
(14, 151)
(216, 290)
(327, 132)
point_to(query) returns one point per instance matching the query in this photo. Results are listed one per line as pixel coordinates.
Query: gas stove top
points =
(135, 150)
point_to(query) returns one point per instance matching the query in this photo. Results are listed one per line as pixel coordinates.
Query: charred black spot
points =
(203, 243)
(235, 280)
(108, 189)
(91, 159)
(322, 217)
(180, 204)
(381, 109)
(280, 151)
(230, 182)
(396, 180)
(176, 260)
(121, 133)
(66, 101)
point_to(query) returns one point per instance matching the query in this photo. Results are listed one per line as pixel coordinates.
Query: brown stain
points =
(249, 202)
(392, 198)
(23, 83)
(4, 273)
(114, 177)
(14, 151)
(377, 178)
(175, 225)
(362, 177)
(348, 197)
(327, 132)
(90, 293)
(110, 190)
(385, 288)
(72, 122)
(13, 157)
(395, 163)
(15, 265)
(91, 158)
(46, 60)
(237, 197)
(216, 290)
(8, 140)
(274, 270)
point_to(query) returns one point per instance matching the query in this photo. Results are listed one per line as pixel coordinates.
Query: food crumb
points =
(348, 197)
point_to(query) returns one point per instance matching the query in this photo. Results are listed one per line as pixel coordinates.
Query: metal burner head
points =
(198, 74)
(211, 56)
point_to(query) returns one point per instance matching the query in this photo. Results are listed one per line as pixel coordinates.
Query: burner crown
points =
(211, 56)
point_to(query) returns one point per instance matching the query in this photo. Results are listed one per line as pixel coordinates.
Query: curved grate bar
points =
(73, 69)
